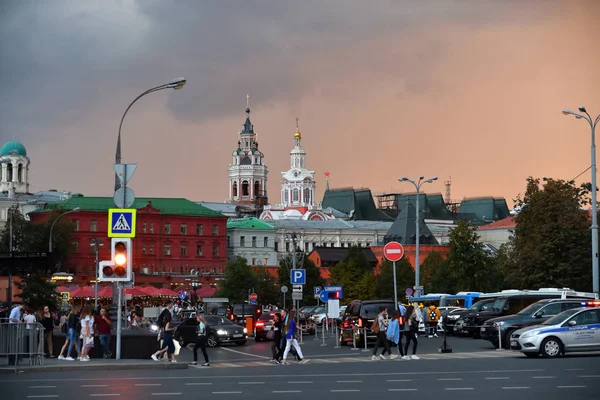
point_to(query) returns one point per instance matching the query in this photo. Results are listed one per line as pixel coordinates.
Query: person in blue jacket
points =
(394, 333)
(290, 338)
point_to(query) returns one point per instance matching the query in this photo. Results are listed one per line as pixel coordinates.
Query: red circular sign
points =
(393, 251)
(253, 297)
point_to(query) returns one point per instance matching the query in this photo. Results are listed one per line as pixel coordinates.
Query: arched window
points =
(20, 177)
(257, 188)
(307, 195)
(296, 196)
(234, 189)
(9, 172)
(245, 188)
(286, 196)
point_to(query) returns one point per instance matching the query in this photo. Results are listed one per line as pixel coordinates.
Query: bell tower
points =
(247, 172)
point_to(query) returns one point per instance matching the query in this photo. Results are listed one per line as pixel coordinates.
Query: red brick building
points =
(178, 243)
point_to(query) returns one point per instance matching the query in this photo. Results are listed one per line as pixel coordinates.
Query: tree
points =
(366, 288)
(405, 276)
(266, 287)
(37, 291)
(237, 280)
(350, 272)
(313, 276)
(435, 275)
(551, 244)
(470, 265)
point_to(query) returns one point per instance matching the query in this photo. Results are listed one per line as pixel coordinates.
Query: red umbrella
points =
(105, 292)
(206, 291)
(63, 289)
(150, 290)
(83, 292)
(165, 292)
(135, 291)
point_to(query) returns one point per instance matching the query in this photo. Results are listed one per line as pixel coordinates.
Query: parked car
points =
(572, 330)
(534, 314)
(361, 314)
(264, 324)
(220, 330)
(456, 321)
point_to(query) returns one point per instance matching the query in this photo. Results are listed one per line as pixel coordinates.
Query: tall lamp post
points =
(96, 243)
(593, 123)
(54, 223)
(417, 185)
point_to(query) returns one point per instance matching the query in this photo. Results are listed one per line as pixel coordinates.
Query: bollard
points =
(499, 339)
(323, 344)
(316, 332)
(354, 339)
(301, 342)
(365, 349)
(337, 338)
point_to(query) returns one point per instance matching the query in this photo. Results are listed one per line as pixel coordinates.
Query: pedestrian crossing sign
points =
(121, 223)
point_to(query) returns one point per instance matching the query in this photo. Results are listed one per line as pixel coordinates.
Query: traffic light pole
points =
(119, 318)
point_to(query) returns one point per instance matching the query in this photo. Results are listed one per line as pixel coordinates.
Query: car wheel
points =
(506, 338)
(212, 341)
(241, 343)
(551, 347)
(494, 343)
(341, 341)
(531, 355)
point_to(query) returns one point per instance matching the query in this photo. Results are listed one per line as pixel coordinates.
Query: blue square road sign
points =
(298, 276)
(121, 223)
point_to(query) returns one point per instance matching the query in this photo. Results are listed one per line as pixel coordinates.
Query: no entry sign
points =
(253, 297)
(393, 251)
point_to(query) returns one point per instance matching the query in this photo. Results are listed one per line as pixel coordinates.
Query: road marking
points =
(166, 394)
(571, 387)
(344, 390)
(300, 382)
(105, 394)
(42, 396)
(148, 384)
(244, 353)
(574, 369)
(399, 380)
(465, 388)
(514, 387)
(322, 360)
(41, 387)
(349, 381)
(450, 379)
(589, 376)
(493, 378)
(93, 386)
(543, 377)
(198, 383)
(226, 392)
(402, 390)
(231, 365)
(251, 383)
(287, 391)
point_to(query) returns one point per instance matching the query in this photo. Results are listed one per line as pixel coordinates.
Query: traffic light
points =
(120, 266)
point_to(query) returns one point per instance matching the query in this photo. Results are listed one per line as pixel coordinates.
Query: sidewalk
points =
(53, 364)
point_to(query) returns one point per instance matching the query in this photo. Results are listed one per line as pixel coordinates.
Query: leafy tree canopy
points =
(313, 277)
(237, 280)
(405, 277)
(349, 273)
(266, 287)
(435, 275)
(37, 292)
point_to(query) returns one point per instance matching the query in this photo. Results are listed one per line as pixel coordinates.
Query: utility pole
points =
(12, 255)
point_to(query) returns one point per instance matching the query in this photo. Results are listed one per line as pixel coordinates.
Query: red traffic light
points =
(107, 271)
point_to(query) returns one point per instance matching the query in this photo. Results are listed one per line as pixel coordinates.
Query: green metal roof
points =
(358, 203)
(10, 147)
(483, 209)
(174, 206)
(248, 223)
(404, 229)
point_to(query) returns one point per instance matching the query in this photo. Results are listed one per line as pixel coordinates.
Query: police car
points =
(574, 330)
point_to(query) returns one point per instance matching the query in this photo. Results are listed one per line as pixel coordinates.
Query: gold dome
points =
(297, 134)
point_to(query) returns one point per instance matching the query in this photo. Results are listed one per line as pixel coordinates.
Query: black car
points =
(264, 324)
(360, 314)
(220, 330)
(535, 314)
(455, 321)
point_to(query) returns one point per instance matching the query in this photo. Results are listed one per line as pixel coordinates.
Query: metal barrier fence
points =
(22, 343)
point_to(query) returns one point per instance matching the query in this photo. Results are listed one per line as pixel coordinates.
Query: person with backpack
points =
(433, 316)
(411, 330)
(379, 327)
(71, 328)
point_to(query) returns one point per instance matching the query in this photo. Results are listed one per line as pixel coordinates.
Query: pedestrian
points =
(71, 328)
(276, 349)
(15, 314)
(168, 345)
(411, 329)
(103, 324)
(379, 326)
(48, 323)
(433, 316)
(282, 344)
(394, 333)
(87, 333)
(291, 339)
(201, 342)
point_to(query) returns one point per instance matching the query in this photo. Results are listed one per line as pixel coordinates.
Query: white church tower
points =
(14, 169)
(298, 183)
(248, 172)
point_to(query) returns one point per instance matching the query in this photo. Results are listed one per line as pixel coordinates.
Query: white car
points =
(573, 330)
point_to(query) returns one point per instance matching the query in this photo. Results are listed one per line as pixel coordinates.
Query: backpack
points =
(432, 314)
(161, 318)
(375, 325)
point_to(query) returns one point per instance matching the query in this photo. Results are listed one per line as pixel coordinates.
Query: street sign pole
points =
(395, 285)
(394, 251)
(119, 316)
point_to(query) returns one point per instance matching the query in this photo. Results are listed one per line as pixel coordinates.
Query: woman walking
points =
(87, 333)
(291, 339)
(201, 343)
(394, 333)
(276, 349)
(411, 329)
(48, 323)
(168, 344)
(72, 335)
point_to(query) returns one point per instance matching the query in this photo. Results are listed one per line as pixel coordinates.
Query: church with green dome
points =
(14, 171)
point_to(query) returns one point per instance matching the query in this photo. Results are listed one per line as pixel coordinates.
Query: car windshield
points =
(319, 310)
(559, 318)
(531, 309)
(267, 316)
(372, 310)
(482, 305)
(213, 320)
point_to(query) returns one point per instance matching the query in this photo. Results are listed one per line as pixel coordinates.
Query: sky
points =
(467, 90)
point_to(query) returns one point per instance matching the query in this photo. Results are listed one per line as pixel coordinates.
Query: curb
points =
(93, 367)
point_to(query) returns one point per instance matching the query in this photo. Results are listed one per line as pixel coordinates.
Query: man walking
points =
(380, 327)
(433, 316)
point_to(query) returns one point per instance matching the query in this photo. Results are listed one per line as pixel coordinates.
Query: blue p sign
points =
(298, 277)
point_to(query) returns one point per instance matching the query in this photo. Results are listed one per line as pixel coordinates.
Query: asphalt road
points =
(576, 376)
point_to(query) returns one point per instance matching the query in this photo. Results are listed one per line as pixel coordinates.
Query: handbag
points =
(271, 334)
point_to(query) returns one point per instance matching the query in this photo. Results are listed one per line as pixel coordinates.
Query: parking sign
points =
(298, 276)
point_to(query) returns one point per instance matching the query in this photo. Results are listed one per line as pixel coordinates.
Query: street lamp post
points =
(10, 245)
(96, 243)
(593, 124)
(417, 185)
(54, 223)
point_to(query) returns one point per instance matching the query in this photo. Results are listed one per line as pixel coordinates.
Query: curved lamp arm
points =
(54, 223)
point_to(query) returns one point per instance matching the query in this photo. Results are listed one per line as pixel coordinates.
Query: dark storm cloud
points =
(61, 59)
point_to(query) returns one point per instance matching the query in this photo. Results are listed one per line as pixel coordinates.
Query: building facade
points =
(252, 239)
(176, 239)
(497, 233)
(247, 172)
(14, 171)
